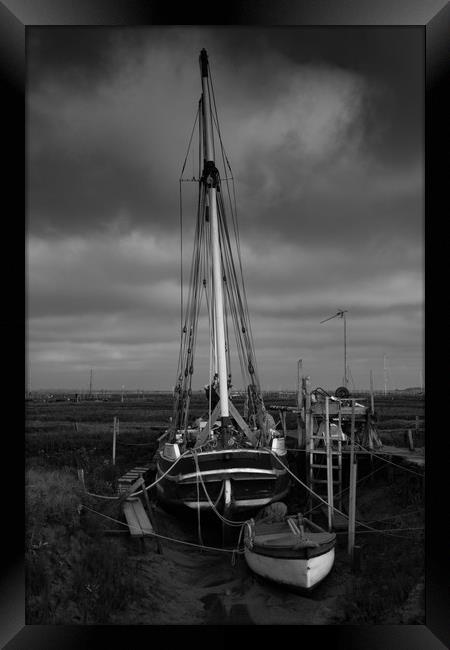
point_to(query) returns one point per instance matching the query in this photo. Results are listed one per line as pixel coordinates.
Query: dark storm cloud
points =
(323, 131)
(110, 112)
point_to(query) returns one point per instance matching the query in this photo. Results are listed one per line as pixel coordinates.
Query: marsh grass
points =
(392, 564)
(73, 573)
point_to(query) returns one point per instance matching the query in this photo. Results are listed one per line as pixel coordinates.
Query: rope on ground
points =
(169, 539)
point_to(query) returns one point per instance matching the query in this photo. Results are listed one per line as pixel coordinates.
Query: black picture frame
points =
(15, 16)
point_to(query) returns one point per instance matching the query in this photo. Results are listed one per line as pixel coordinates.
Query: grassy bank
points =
(74, 574)
(388, 588)
(77, 575)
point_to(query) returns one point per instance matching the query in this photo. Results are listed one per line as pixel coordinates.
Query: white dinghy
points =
(295, 552)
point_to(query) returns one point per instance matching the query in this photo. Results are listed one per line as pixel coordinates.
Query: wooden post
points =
(356, 564)
(372, 401)
(340, 453)
(81, 477)
(283, 420)
(308, 417)
(330, 497)
(299, 403)
(352, 489)
(115, 428)
(151, 517)
(410, 440)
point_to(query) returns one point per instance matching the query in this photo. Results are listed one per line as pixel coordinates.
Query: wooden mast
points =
(210, 178)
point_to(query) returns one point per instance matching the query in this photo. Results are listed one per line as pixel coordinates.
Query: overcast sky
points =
(324, 131)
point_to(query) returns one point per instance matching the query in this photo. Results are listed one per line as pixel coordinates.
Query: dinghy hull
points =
(293, 572)
(293, 552)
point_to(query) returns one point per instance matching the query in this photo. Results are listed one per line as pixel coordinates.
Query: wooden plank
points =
(241, 422)
(140, 515)
(132, 520)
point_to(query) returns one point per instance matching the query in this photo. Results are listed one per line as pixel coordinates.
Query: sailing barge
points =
(224, 460)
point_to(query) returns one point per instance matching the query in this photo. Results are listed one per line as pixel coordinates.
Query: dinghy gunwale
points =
(264, 537)
(290, 553)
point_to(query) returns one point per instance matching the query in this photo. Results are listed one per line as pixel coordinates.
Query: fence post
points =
(300, 384)
(352, 490)
(356, 564)
(114, 441)
(410, 440)
(81, 477)
(329, 466)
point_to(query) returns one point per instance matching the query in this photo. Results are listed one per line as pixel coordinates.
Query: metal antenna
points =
(341, 313)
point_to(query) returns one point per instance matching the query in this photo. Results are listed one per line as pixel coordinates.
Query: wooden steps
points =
(125, 481)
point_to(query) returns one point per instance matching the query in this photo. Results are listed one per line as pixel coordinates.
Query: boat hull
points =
(235, 480)
(302, 573)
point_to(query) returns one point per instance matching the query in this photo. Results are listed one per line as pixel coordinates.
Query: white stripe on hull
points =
(304, 573)
(211, 473)
(235, 504)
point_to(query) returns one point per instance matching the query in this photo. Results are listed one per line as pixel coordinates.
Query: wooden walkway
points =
(413, 457)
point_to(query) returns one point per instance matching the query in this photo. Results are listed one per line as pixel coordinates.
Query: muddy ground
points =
(217, 588)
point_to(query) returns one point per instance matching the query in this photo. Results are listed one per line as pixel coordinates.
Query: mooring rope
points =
(169, 539)
(390, 461)
(339, 494)
(229, 522)
(359, 523)
(407, 469)
(148, 487)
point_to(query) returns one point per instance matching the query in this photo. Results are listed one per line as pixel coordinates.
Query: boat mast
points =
(210, 178)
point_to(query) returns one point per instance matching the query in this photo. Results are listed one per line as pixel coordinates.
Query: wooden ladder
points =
(317, 459)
